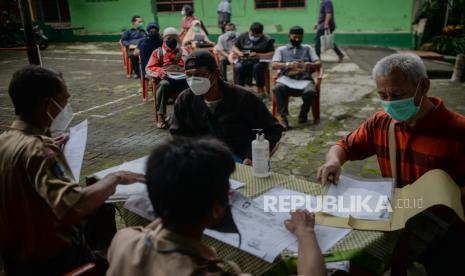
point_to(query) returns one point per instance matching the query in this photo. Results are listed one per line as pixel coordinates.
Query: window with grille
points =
(279, 4)
(172, 5)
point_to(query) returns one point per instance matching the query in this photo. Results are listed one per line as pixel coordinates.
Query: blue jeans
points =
(246, 70)
(336, 49)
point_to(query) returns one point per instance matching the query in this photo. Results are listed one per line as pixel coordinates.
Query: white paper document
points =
(235, 184)
(176, 75)
(75, 147)
(362, 199)
(123, 192)
(326, 236)
(292, 83)
(263, 234)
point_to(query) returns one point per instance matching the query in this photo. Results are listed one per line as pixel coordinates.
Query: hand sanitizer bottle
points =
(261, 155)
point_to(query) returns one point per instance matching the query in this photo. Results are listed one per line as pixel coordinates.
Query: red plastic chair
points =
(126, 60)
(316, 100)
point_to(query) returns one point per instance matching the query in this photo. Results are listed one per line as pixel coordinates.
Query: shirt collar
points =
(290, 47)
(438, 117)
(168, 49)
(21, 125)
(172, 241)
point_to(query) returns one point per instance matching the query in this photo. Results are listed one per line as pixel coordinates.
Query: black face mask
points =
(295, 43)
(171, 43)
(227, 224)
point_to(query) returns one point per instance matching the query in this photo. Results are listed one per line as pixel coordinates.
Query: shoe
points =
(283, 122)
(303, 120)
(161, 122)
(340, 60)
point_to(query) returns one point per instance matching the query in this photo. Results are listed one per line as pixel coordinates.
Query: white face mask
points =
(62, 120)
(199, 85)
(183, 12)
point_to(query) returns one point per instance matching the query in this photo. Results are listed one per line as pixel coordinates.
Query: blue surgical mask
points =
(231, 33)
(402, 110)
(254, 38)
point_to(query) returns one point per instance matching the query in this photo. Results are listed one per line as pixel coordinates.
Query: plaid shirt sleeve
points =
(360, 143)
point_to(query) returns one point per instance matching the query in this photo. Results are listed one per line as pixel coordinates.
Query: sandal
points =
(161, 122)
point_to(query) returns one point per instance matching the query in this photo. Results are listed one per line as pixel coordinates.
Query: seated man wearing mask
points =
(188, 185)
(131, 39)
(212, 107)
(250, 47)
(224, 47)
(295, 61)
(165, 61)
(427, 136)
(41, 204)
(152, 41)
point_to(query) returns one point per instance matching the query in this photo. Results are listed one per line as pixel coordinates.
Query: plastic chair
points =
(126, 60)
(123, 53)
(315, 103)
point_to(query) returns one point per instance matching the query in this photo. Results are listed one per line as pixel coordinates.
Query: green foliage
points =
(451, 41)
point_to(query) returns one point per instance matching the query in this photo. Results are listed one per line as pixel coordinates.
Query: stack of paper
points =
(123, 192)
(75, 148)
(264, 234)
(361, 199)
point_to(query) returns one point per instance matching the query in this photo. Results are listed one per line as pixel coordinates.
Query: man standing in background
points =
(326, 23)
(224, 14)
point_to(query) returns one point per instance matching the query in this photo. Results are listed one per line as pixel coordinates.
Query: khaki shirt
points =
(141, 251)
(36, 191)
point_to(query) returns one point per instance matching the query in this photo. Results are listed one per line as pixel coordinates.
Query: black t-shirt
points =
(264, 45)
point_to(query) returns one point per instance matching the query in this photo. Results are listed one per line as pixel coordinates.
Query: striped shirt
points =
(437, 142)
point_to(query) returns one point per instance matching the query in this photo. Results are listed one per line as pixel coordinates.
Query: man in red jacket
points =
(167, 65)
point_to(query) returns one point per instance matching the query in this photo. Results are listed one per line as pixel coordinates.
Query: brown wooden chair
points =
(316, 101)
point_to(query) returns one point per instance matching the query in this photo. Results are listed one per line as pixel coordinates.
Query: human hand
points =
(315, 26)
(247, 161)
(301, 223)
(61, 140)
(308, 66)
(162, 74)
(326, 27)
(136, 52)
(154, 224)
(125, 177)
(253, 54)
(330, 169)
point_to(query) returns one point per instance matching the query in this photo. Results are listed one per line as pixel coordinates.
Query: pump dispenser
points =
(261, 155)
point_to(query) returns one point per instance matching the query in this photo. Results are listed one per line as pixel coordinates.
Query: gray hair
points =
(410, 65)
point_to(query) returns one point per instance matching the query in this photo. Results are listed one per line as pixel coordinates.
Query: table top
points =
(372, 248)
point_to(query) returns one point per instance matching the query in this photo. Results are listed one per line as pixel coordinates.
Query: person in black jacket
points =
(212, 107)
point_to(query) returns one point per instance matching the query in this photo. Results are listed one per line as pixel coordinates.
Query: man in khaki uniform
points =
(40, 203)
(188, 185)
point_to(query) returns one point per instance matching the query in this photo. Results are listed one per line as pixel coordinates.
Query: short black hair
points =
(256, 28)
(296, 30)
(188, 9)
(31, 83)
(230, 25)
(134, 18)
(185, 176)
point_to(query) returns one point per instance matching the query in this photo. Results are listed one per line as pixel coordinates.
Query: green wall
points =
(100, 16)
(388, 21)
